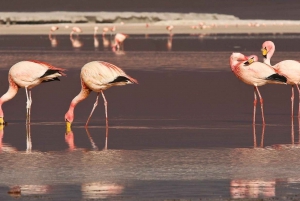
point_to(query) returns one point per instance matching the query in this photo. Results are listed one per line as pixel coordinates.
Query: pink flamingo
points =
(104, 30)
(97, 76)
(76, 30)
(53, 29)
(288, 68)
(119, 39)
(254, 73)
(28, 74)
(170, 28)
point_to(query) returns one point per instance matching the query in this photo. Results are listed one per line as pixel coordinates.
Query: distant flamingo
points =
(97, 76)
(52, 30)
(119, 39)
(254, 73)
(170, 28)
(105, 30)
(76, 30)
(288, 68)
(28, 74)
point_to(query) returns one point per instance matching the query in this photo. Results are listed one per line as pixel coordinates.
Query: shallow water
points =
(185, 131)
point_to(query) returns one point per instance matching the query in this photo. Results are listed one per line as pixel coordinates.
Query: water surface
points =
(184, 132)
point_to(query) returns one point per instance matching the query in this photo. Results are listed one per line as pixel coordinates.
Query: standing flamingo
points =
(119, 39)
(76, 30)
(288, 68)
(170, 28)
(95, 31)
(97, 76)
(254, 73)
(28, 74)
(53, 29)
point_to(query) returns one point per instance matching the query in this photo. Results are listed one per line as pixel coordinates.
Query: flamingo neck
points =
(11, 92)
(83, 94)
(267, 60)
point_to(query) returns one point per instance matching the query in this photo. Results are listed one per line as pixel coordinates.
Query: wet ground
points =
(184, 132)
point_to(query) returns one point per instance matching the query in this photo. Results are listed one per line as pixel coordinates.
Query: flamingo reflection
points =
(240, 188)
(28, 190)
(97, 190)
(53, 41)
(105, 42)
(3, 146)
(169, 43)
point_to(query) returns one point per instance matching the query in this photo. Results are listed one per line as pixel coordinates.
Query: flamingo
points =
(97, 76)
(254, 73)
(53, 29)
(104, 30)
(170, 28)
(28, 74)
(119, 39)
(288, 68)
(76, 30)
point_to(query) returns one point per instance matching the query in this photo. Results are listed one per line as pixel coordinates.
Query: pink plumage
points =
(28, 74)
(288, 68)
(98, 76)
(254, 73)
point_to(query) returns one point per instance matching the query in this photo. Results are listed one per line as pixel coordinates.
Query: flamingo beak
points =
(2, 122)
(68, 126)
(264, 52)
(249, 61)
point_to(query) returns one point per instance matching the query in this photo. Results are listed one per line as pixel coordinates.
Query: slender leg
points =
(95, 105)
(299, 100)
(254, 107)
(254, 136)
(261, 105)
(27, 106)
(292, 131)
(292, 100)
(28, 139)
(94, 146)
(105, 104)
(262, 136)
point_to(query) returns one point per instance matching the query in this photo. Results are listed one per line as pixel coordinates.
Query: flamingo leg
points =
(299, 100)
(292, 131)
(261, 105)
(28, 139)
(28, 104)
(95, 105)
(105, 105)
(292, 100)
(254, 136)
(262, 136)
(254, 107)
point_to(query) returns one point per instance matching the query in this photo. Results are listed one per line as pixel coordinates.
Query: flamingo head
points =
(267, 46)
(69, 117)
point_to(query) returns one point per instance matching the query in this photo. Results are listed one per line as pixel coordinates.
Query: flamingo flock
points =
(98, 76)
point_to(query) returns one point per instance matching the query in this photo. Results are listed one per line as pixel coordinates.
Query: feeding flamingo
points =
(119, 39)
(288, 68)
(97, 76)
(28, 74)
(254, 73)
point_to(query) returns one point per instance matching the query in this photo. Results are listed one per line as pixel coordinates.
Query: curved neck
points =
(11, 92)
(269, 55)
(83, 94)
